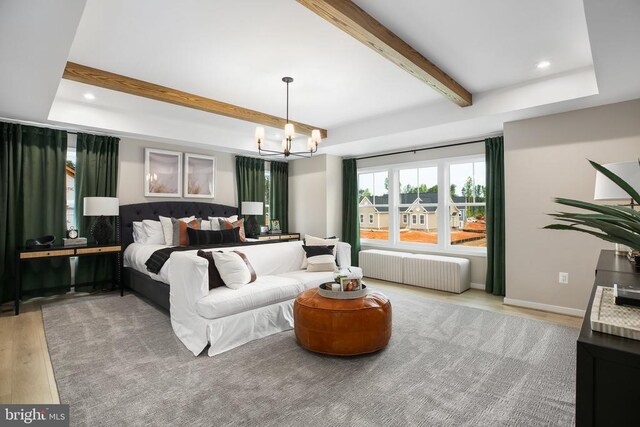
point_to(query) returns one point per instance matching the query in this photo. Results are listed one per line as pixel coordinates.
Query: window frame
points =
(395, 214)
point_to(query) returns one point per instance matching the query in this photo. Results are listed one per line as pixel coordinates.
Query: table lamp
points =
(250, 209)
(605, 189)
(101, 207)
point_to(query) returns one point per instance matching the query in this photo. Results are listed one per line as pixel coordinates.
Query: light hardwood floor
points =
(26, 375)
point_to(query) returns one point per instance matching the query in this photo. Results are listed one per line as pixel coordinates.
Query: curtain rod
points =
(414, 151)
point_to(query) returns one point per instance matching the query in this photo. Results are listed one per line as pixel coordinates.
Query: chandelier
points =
(289, 134)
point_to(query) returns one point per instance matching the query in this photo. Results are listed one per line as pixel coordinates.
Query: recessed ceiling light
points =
(89, 96)
(543, 64)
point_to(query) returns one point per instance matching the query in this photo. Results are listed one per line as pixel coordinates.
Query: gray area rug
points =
(118, 363)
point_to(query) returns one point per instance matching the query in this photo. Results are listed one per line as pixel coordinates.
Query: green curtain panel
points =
(96, 176)
(279, 195)
(494, 152)
(32, 204)
(250, 181)
(350, 223)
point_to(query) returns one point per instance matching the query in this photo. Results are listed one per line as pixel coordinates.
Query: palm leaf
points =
(617, 224)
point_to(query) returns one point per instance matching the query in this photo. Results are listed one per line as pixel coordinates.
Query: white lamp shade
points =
(259, 135)
(315, 136)
(289, 132)
(101, 206)
(251, 208)
(608, 190)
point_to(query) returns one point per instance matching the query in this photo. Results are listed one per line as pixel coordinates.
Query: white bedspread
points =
(137, 254)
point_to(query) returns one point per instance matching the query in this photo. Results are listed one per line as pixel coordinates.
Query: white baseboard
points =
(545, 307)
(478, 286)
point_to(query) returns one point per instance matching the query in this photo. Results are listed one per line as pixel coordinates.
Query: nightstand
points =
(25, 255)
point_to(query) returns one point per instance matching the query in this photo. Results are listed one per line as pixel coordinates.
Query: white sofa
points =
(226, 318)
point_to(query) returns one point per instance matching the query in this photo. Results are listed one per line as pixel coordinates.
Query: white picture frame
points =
(162, 173)
(199, 176)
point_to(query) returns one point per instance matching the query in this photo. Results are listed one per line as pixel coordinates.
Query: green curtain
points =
(250, 181)
(350, 223)
(279, 195)
(96, 176)
(32, 204)
(494, 152)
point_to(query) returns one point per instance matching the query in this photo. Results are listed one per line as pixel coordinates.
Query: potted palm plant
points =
(616, 224)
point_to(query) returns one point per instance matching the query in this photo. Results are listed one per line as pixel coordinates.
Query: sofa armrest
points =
(188, 283)
(343, 254)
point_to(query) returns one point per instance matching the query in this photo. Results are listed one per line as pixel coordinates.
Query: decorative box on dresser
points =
(608, 366)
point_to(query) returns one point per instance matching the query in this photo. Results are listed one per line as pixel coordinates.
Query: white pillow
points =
(318, 241)
(205, 224)
(153, 231)
(215, 224)
(233, 269)
(322, 263)
(139, 235)
(167, 228)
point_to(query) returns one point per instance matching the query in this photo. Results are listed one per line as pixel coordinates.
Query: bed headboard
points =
(140, 211)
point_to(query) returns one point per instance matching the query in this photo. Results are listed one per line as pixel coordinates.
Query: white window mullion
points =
(443, 208)
(394, 201)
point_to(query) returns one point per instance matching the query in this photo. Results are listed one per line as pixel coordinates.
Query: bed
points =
(155, 288)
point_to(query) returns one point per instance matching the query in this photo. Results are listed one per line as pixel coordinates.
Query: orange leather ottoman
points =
(342, 327)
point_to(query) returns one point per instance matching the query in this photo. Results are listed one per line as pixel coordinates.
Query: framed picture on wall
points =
(162, 173)
(199, 176)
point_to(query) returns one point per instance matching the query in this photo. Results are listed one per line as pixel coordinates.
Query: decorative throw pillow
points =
(167, 228)
(180, 236)
(318, 241)
(215, 281)
(153, 232)
(234, 268)
(226, 225)
(322, 263)
(215, 221)
(210, 237)
(320, 258)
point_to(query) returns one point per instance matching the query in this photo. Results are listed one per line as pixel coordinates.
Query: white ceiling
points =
(237, 52)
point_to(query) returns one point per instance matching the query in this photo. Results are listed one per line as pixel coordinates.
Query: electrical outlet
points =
(563, 278)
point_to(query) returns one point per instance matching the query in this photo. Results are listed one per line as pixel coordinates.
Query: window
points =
(267, 196)
(440, 203)
(70, 169)
(468, 197)
(373, 191)
(418, 195)
(361, 219)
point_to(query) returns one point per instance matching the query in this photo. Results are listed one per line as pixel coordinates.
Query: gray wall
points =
(131, 182)
(315, 196)
(546, 157)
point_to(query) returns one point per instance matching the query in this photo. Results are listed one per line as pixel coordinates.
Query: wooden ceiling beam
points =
(351, 19)
(107, 80)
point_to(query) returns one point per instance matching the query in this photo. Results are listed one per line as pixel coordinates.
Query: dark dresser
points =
(608, 367)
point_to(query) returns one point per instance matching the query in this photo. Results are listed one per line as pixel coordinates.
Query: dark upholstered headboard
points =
(140, 211)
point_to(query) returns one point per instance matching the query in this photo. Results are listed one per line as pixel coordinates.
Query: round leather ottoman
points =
(342, 327)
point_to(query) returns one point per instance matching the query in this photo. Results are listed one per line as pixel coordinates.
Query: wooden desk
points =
(608, 366)
(282, 237)
(25, 255)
